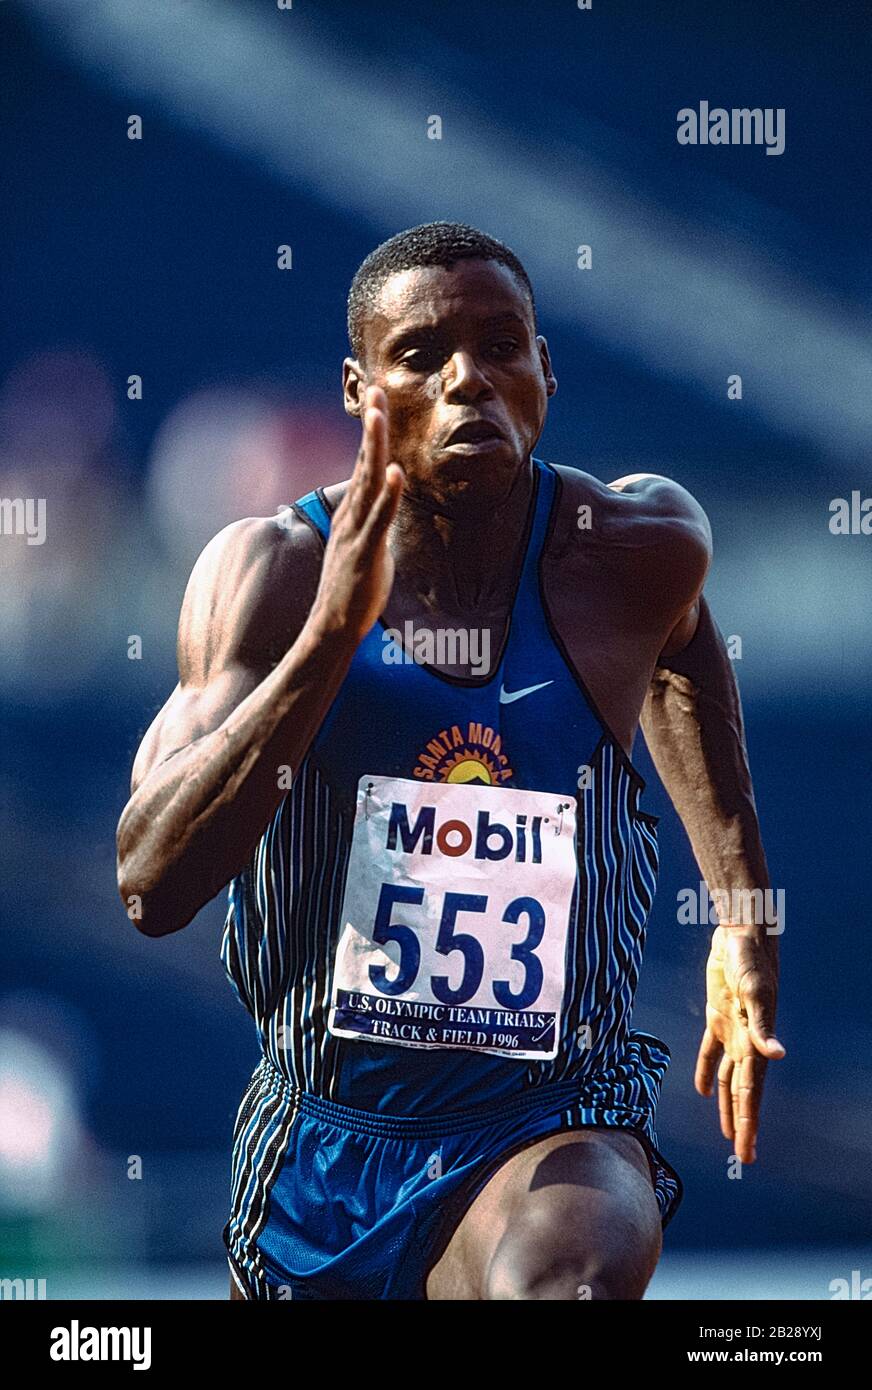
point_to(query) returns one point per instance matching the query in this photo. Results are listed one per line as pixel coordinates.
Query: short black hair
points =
(431, 243)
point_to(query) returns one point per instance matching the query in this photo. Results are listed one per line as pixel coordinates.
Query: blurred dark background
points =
(157, 258)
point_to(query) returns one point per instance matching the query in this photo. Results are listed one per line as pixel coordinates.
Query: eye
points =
(422, 359)
(505, 347)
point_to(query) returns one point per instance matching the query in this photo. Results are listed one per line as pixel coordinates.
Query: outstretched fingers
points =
(748, 1077)
(385, 506)
(709, 1053)
(368, 479)
(725, 1096)
(712, 1060)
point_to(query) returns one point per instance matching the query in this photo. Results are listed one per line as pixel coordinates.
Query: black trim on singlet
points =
(476, 682)
(298, 511)
(623, 756)
(322, 498)
(482, 681)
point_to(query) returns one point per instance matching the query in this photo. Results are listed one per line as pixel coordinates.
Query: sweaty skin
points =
(430, 530)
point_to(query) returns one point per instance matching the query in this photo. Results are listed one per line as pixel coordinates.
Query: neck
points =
(461, 561)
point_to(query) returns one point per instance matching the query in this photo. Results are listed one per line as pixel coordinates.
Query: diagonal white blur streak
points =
(687, 304)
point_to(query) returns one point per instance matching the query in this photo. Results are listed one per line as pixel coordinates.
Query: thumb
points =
(758, 1004)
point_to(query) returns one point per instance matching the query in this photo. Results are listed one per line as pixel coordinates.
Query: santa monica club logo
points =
(467, 753)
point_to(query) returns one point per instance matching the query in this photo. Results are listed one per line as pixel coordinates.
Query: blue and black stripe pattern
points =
(282, 930)
(284, 917)
(617, 878)
(287, 988)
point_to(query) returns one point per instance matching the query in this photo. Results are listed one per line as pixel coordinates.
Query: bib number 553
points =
(449, 940)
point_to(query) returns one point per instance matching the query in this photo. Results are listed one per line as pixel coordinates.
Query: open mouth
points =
(476, 435)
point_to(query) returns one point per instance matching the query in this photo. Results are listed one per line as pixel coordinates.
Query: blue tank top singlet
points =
(528, 725)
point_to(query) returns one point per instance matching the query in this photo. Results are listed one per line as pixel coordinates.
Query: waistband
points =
(550, 1095)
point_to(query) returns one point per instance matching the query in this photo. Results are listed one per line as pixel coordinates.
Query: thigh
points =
(573, 1215)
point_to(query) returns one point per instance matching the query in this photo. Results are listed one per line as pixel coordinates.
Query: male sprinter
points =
(439, 870)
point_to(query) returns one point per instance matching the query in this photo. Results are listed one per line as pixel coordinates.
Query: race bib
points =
(455, 918)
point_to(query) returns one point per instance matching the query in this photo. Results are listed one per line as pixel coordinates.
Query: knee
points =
(529, 1271)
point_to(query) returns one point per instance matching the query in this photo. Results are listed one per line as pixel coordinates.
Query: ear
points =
(545, 359)
(354, 384)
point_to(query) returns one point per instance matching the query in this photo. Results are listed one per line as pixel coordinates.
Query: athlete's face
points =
(456, 348)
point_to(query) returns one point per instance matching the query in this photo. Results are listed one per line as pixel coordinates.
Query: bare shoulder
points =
(248, 595)
(644, 524)
(635, 500)
(656, 498)
(245, 603)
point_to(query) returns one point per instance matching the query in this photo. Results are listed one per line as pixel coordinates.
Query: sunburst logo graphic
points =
(470, 766)
(465, 757)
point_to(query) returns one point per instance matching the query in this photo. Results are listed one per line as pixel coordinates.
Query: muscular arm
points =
(253, 690)
(691, 716)
(692, 721)
(206, 780)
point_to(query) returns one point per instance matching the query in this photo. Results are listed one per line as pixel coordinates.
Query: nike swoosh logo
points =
(506, 698)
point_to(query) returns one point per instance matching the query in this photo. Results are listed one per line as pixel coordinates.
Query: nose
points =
(463, 379)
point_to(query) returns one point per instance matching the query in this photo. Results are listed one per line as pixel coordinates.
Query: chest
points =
(605, 629)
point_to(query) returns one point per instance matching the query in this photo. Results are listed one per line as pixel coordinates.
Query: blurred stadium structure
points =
(158, 258)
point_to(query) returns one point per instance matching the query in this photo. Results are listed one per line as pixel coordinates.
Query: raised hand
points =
(358, 569)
